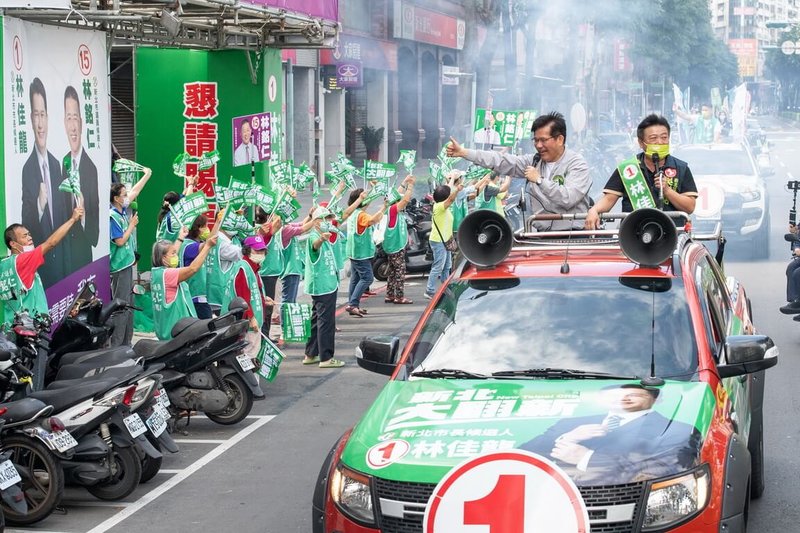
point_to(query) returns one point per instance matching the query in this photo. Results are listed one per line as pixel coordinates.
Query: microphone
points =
(655, 158)
(536, 159)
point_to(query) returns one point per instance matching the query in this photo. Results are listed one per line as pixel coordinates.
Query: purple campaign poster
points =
(251, 139)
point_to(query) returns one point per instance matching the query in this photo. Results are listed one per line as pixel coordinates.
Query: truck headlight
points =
(750, 195)
(677, 499)
(351, 491)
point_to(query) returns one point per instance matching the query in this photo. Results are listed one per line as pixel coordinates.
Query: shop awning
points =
(208, 24)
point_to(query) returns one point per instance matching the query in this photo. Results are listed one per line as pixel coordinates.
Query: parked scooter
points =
(34, 442)
(205, 367)
(418, 253)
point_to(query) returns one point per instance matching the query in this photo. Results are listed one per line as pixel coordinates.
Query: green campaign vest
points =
(396, 238)
(459, 210)
(198, 284)
(16, 296)
(322, 275)
(273, 263)
(481, 203)
(165, 315)
(293, 256)
(359, 246)
(256, 303)
(163, 232)
(121, 256)
(217, 278)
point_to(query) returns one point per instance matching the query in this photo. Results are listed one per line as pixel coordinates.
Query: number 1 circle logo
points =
(385, 453)
(510, 492)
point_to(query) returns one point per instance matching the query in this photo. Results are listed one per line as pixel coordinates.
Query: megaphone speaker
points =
(485, 238)
(647, 237)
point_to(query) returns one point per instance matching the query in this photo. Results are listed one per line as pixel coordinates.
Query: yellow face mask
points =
(661, 149)
(204, 234)
(172, 262)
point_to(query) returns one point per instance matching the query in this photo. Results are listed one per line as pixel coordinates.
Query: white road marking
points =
(179, 477)
(201, 441)
(170, 471)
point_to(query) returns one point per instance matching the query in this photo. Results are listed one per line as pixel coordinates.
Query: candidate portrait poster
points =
(57, 126)
(251, 138)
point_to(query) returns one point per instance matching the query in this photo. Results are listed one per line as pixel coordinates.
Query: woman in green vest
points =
(322, 284)
(360, 250)
(219, 266)
(491, 195)
(247, 284)
(188, 251)
(293, 255)
(395, 240)
(271, 268)
(169, 289)
(123, 254)
(166, 228)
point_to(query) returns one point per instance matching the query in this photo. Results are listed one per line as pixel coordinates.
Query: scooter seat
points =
(119, 373)
(183, 332)
(62, 399)
(23, 410)
(106, 355)
(91, 368)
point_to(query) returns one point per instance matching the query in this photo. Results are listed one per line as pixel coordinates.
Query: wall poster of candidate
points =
(251, 138)
(58, 150)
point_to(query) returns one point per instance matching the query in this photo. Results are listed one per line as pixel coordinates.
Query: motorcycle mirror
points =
(139, 289)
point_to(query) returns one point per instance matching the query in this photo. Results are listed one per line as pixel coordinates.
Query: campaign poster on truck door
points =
(57, 150)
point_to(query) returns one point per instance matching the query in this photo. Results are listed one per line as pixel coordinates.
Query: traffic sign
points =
(533, 493)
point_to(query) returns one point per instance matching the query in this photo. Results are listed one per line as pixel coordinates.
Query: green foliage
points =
(372, 137)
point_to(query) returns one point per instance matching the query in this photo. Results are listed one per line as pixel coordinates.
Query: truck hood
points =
(418, 430)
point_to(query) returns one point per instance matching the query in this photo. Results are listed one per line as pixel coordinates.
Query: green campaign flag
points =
(288, 209)
(179, 164)
(475, 172)
(408, 158)
(380, 189)
(126, 165)
(224, 195)
(437, 173)
(208, 160)
(280, 174)
(377, 172)
(72, 182)
(303, 176)
(447, 162)
(258, 195)
(345, 175)
(189, 208)
(235, 223)
(128, 178)
(296, 322)
(393, 196)
(269, 359)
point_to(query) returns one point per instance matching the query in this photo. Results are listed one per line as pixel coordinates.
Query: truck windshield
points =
(592, 324)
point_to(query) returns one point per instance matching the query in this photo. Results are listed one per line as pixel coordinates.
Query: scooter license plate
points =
(245, 362)
(134, 424)
(157, 422)
(60, 440)
(8, 475)
(163, 398)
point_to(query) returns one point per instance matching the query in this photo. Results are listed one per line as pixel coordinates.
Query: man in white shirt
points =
(246, 152)
(487, 136)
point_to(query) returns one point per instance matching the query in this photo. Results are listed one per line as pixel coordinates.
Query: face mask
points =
(661, 149)
(257, 258)
(204, 234)
(28, 248)
(172, 262)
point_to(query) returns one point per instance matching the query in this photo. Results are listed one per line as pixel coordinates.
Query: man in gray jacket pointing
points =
(558, 178)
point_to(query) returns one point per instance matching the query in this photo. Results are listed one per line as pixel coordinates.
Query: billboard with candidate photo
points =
(57, 149)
